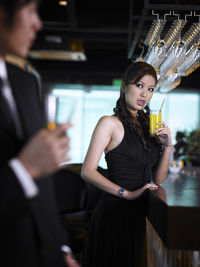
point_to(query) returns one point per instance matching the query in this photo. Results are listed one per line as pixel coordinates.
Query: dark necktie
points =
(1, 85)
(8, 113)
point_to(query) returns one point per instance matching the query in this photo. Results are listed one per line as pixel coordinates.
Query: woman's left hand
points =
(164, 134)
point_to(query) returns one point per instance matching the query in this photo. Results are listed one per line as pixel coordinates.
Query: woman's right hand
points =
(130, 195)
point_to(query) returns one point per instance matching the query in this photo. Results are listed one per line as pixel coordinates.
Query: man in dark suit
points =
(30, 234)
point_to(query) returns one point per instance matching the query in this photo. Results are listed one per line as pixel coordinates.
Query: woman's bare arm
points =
(165, 136)
(101, 138)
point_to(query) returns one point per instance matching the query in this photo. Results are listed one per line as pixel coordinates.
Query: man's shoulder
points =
(18, 71)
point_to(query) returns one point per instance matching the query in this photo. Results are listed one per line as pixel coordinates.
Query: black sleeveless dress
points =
(117, 229)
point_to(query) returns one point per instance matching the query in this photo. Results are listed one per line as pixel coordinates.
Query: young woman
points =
(134, 159)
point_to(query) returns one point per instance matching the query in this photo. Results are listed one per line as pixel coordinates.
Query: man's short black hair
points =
(10, 7)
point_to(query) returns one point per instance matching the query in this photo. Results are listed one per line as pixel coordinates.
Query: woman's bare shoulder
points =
(109, 123)
(112, 120)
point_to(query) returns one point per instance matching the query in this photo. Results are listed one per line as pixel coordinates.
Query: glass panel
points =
(183, 114)
(87, 104)
(96, 105)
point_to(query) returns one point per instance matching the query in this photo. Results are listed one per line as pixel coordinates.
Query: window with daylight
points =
(84, 105)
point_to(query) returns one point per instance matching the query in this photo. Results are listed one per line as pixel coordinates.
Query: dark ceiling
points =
(112, 33)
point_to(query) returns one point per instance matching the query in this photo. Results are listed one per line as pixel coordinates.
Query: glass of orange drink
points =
(51, 106)
(154, 118)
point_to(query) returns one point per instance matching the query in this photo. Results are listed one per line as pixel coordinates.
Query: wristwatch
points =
(120, 191)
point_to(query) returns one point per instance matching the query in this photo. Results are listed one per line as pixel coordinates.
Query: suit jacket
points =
(30, 234)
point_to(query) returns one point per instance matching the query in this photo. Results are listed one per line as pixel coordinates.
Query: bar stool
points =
(71, 194)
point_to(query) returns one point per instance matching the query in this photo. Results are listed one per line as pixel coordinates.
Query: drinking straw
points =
(147, 105)
(162, 105)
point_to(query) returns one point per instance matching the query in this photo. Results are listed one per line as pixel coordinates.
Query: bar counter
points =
(173, 222)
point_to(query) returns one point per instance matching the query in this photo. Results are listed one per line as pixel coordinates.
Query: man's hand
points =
(45, 151)
(71, 262)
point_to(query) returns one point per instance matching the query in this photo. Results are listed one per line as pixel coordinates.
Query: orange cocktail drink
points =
(51, 105)
(51, 125)
(155, 117)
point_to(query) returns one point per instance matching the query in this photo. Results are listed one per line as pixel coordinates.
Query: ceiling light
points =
(62, 3)
(53, 39)
(154, 33)
(58, 55)
(173, 55)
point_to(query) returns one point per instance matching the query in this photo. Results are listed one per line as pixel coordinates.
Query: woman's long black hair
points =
(132, 75)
